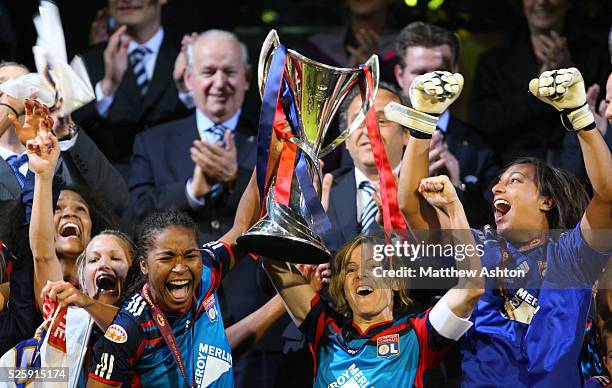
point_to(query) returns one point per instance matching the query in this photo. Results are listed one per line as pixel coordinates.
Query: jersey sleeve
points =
(574, 263)
(432, 344)
(217, 255)
(115, 354)
(319, 316)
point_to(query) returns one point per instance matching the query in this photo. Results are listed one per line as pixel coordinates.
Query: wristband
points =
(11, 108)
(421, 125)
(579, 119)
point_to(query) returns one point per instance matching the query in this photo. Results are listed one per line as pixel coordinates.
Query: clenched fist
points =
(434, 92)
(564, 90)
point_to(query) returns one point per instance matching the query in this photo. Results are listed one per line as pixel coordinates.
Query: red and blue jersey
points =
(134, 353)
(528, 330)
(393, 354)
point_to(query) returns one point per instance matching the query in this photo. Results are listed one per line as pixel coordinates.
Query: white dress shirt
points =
(363, 197)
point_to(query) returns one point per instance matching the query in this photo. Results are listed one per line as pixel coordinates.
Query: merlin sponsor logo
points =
(351, 378)
(212, 362)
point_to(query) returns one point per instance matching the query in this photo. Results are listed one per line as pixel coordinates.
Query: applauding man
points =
(201, 163)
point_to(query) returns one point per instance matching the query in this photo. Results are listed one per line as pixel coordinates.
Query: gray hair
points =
(382, 85)
(223, 34)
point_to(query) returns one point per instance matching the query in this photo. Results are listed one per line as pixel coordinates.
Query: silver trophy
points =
(285, 232)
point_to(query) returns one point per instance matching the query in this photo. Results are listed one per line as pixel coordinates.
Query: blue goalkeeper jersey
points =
(134, 353)
(528, 330)
(390, 354)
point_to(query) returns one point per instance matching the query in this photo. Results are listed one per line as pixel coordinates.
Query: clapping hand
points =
(218, 162)
(180, 64)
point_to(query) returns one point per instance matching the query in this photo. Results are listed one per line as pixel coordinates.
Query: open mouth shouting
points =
(180, 290)
(500, 208)
(108, 285)
(70, 229)
(364, 290)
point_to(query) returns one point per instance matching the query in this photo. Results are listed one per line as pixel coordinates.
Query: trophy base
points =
(284, 248)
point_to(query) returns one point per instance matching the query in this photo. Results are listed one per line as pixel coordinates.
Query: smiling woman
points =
(528, 330)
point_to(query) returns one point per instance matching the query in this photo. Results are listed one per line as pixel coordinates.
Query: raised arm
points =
(430, 95)
(564, 89)
(295, 289)
(43, 153)
(440, 193)
(598, 215)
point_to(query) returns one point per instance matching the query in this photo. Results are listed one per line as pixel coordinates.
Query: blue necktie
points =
(137, 59)
(218, 133)
(368, 215)
(15, 162)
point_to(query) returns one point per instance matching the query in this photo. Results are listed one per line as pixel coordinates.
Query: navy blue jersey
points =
(133, 351)
(390, 354)
(528, 331)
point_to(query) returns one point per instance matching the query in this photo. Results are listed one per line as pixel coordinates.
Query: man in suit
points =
(456, 149)
(133, 80)
(350, 205)
(81, 163)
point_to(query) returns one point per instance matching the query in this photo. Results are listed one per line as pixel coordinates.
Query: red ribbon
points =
(392, 217)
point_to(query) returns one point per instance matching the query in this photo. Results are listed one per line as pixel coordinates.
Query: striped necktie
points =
(15, 162)
(218, 133)
(138, 60)
(368, 215)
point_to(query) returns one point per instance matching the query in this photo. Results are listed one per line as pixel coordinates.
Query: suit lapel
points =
(8, 179)
(162, 74)
(245, 139)
(344, 200)
(177, 151)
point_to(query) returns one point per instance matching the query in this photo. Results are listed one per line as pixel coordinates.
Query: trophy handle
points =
(270, 44)
(371, 91)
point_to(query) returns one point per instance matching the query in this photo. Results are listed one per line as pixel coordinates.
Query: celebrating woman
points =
(527, 330)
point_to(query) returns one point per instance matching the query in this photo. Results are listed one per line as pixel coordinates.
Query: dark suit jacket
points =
(478, 170)
(83, 164)
(130, 113)
(161, 166)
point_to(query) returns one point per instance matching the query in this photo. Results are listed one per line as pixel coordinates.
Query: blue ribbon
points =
(276, 84)
(266, 117)
(318, 217)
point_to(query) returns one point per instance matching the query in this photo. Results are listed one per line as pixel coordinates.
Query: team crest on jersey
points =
(211, 308)
(388, 345)
(116, 334)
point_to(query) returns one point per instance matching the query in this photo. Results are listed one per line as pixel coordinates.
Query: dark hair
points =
(420, 34)
(569, 195)
(146, 232)
(382, 85)
(102, 215)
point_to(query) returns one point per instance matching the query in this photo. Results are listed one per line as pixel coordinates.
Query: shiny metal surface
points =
(318, 90)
